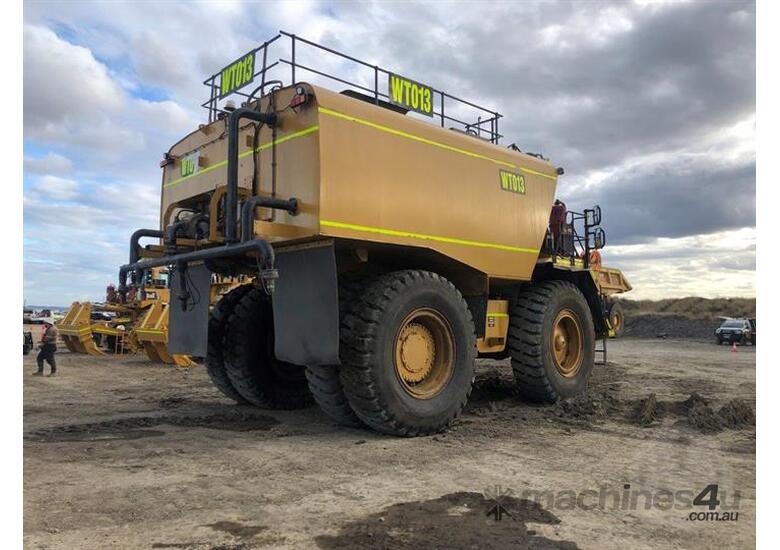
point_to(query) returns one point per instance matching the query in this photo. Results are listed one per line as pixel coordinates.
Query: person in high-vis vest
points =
(48, 347)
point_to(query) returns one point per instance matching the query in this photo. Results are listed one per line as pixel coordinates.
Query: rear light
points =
(300, 97)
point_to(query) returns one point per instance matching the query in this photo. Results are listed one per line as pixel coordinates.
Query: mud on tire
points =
(215, 362)
(371, 333)
(531, 341)
(250, 364)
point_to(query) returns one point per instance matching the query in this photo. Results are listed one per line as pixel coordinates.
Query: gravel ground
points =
(122, 453)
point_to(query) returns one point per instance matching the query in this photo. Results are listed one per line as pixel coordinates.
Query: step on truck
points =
(390, 240)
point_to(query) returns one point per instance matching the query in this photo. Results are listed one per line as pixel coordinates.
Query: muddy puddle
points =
(455, 520)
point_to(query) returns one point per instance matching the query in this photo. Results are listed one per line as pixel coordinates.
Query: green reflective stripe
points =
(198, 173)
(304, 132)
(438, 144)
(425, 237)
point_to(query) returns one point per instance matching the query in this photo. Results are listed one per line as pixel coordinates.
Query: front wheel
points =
(616, 318)
(551, 341)
(408, 350)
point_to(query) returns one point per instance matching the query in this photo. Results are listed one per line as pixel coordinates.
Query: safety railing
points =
(576, 237)
(269, 62)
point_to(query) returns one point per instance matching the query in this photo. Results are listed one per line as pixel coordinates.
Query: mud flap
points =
(306, 306)
(188, 330)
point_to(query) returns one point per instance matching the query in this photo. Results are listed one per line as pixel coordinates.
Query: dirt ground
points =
(122, 453)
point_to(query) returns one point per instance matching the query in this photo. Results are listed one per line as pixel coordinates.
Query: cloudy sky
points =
(650, 107)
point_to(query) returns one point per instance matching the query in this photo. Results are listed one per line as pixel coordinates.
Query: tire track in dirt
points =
(236, 420)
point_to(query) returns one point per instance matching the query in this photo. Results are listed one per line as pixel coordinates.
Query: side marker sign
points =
(410, 95)
(190, 164)
(237, 75)
(512, 182)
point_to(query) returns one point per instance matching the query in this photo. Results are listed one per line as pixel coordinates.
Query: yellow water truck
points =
(391, 244)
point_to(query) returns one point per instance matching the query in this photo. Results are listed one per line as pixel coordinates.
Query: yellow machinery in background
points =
(151, 331)
(141, 324)
(83, 335)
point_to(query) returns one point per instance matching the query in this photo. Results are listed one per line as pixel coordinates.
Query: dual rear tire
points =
(241, 361)
(407, 351)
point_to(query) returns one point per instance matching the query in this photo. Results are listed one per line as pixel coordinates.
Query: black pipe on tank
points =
(172, 231)
(134, 254)
(264, 251)
(231, 196)
(137, 236)
(248, 209)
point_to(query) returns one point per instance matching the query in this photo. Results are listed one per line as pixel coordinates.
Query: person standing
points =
(48, 346)
(557, 221)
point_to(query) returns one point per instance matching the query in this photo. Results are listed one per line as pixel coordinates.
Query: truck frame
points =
(389, 242)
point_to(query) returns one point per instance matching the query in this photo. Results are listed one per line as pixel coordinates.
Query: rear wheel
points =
(551, 341)
(215, 361)
(325, 380)
(251, 366)
(408, 351)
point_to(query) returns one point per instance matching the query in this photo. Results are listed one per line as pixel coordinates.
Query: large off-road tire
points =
(551, 341)
(617, 318)
(251, 366)
(325, 381)
(407, 352)
(215, 361)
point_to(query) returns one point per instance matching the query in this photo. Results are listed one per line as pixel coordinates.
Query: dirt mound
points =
(693, 400)
(593, 404)
(658, 325)
(647, 411)
(691, 317)
(737, 414)
(704, 419)
(692, 307)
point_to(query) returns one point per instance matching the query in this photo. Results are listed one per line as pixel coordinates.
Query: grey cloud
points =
(669, 201)
(592, 103)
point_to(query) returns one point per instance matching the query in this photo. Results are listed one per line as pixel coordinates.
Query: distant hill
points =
(693, 307)
(691, 317)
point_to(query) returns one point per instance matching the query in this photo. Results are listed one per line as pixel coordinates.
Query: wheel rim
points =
(424, 353)
(617, 321)
(567, 343)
